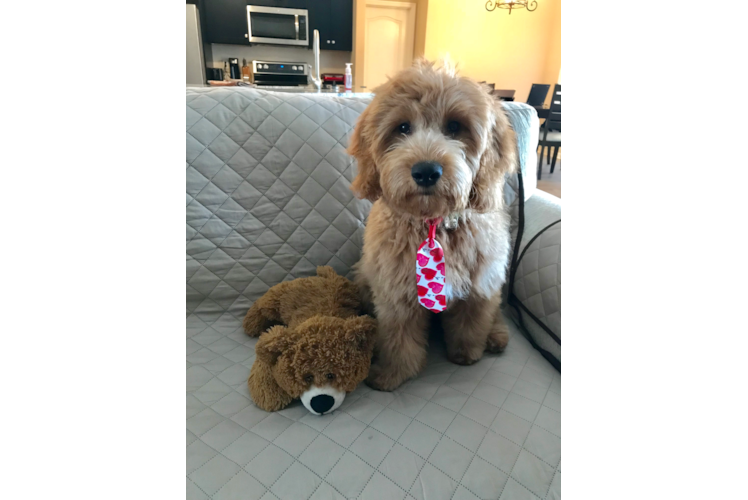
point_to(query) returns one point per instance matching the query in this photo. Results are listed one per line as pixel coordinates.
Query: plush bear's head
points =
(321, 359)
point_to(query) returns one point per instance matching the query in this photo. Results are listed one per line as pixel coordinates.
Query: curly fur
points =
(474, 162)
(314, 330)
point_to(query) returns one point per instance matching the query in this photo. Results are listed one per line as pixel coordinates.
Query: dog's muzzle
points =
(322, 400)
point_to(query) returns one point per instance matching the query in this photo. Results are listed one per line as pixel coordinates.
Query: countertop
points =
(308, 89)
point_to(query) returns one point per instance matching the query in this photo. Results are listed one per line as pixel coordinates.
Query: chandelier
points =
(511, 4)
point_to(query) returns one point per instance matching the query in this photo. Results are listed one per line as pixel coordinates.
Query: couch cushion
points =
(537, 279)
(491, 430)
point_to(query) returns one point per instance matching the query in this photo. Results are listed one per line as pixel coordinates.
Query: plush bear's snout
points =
(322, 400)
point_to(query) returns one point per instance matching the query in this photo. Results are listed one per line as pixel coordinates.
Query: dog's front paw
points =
(382, 379)
(464, 353)
(497, 341)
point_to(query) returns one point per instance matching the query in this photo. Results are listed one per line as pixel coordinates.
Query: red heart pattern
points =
(422, 259)
(431, 276)
(428, 273)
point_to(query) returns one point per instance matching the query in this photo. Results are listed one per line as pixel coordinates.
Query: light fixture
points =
(511, 4)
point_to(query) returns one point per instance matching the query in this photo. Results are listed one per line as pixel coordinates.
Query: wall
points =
(359, 24)
(513, 51)
(330, 61)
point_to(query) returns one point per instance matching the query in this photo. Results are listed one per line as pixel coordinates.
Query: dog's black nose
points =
(426, 173)
(322, 403)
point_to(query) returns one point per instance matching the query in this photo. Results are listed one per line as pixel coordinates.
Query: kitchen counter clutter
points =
(307, 89)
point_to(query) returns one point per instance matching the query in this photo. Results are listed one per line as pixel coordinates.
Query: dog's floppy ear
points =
(366, 183)
(499, 159)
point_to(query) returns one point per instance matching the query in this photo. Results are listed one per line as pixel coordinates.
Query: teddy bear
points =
(313, 343)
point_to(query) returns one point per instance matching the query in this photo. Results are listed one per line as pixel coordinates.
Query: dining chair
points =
(550, 131)
(538, 93)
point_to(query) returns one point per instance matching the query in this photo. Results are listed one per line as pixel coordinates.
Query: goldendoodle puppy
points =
(433, 145)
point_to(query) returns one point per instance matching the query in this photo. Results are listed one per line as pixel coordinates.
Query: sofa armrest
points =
(535, 296)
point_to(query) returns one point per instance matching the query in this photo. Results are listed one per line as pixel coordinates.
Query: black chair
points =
(550, 131)
(538, 93)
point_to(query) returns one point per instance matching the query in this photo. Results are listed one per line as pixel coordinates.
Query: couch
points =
(267, 201)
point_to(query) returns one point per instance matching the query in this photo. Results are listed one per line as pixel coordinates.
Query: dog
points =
(433, 145)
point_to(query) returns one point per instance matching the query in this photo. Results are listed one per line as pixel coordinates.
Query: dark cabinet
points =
(334, 20)
(225, 21)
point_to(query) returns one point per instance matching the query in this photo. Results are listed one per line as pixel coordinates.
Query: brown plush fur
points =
(324, 337)
(474, 162)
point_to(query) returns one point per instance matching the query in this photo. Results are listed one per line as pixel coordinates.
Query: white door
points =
(390, 34)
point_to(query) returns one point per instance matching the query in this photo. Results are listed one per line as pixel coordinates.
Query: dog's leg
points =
(400, 352)
(364, 293)
(498, 337)
(467, 326)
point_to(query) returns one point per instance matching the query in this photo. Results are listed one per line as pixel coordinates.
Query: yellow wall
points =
(513, 51)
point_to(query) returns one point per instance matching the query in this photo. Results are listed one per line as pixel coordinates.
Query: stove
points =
(280, 74)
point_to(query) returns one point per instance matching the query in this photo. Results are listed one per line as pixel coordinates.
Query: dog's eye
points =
(404, 128)
(453, 127)
(330, 376)
(308, 378)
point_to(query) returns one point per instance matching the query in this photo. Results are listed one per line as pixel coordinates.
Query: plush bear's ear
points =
(273, 343)
(361, 332)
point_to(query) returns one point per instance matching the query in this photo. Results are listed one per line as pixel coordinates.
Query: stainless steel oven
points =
(277, 25)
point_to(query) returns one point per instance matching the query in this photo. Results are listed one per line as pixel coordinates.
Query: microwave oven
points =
(275, 25)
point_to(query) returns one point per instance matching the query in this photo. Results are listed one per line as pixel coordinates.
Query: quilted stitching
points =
(478, 431)
(538, 280)
(268, 197)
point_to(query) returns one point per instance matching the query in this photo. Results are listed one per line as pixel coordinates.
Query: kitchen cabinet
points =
(334, 20)
(225, 21)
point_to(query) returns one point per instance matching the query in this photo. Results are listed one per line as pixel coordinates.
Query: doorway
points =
(390, 34)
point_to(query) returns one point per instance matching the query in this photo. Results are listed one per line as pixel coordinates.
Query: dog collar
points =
(449, 222)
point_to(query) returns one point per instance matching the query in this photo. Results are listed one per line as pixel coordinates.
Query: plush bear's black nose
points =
(322, 403)
(426, 173)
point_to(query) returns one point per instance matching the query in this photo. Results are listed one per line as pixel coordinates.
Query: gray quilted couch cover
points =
(267, 201)
(537, 280)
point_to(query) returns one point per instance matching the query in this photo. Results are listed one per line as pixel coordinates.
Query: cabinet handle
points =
(333, 42)
(328, 41)
(246, 35)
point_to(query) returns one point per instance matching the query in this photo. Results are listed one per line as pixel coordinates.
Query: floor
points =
(646, 179)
